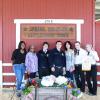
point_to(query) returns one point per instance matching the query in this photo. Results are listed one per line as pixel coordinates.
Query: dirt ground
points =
(9, 94)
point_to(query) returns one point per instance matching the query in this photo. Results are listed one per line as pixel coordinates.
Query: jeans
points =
(19, 70)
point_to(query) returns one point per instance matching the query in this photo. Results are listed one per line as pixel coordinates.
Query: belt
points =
(58, 66)
(93, 64)
(43, 67)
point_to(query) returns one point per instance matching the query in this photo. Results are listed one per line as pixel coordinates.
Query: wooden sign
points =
(48, 31)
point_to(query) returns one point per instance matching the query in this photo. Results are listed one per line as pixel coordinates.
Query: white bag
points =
(86, 65)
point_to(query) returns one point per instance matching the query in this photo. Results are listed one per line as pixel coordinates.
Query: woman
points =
(31, 62)
(43, 61)
(69, 54)
(18, 60)
(92, 74)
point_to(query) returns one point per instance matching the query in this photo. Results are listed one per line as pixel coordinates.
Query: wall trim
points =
(7, 64)
(8, 74)
(1, 78)
(10, 64)
(9, 83)
(77, 22)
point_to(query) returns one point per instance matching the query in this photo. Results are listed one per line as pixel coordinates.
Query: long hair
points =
(71, 46)
(20, 43)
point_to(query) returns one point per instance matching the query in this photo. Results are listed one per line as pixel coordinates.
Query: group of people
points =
(65, 62)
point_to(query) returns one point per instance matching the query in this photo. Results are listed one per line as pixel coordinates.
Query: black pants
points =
(32, 75)
(92, 76)
(69, 75)
(43, 71)
(58, 71)
(80, 77)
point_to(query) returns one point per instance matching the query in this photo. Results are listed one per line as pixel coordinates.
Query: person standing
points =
(92, 74)
(69, 54)
(57, 60)
(79, 73)
(43, 61)
(31, 62)
(18, 60)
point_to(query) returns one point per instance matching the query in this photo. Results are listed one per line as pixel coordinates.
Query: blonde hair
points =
(90, 45)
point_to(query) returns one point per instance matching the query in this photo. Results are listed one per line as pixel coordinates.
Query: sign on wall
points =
(48, 31)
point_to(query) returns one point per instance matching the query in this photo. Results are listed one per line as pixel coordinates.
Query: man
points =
(43, 62)
(92, 74)
(57, 60)
(79, 74)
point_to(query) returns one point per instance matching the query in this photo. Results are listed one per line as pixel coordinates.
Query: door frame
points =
(77, 22)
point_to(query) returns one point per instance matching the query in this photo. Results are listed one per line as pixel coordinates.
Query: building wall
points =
(1, 30)
(41, 9)
(97, 37)
(97, 41)
(1, 43)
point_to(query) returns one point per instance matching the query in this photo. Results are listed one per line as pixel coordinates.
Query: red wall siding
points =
(97, 37)
(1, 30)
(61, 9)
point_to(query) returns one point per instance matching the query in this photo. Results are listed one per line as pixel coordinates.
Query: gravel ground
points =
(9, 94)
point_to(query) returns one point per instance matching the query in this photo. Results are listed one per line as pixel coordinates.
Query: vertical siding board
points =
(1, 44)
(0, 30)
(97, 37)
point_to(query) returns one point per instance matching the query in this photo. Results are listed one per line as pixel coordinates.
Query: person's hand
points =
(64, 68)
(64, 71)
(72, 69)
(28, 72)
(52, 69)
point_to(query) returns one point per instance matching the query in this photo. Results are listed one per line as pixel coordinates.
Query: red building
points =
(16, 15)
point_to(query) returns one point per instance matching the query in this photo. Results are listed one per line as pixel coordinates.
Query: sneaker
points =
(91, 94)
(80, 95)
(18, 93)
(94, 94)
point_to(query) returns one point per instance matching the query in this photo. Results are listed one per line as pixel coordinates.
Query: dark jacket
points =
(57, 58)
(43, 59)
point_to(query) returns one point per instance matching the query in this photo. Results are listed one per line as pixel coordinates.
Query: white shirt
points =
(79, 58)
(93, 56)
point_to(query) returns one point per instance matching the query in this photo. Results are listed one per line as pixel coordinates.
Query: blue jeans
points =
(19, 70)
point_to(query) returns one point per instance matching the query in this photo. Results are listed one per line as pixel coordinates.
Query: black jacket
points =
(57, 58)
(43, 59)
